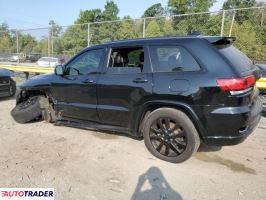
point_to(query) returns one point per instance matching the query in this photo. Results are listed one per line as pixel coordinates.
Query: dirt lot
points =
(82, 164)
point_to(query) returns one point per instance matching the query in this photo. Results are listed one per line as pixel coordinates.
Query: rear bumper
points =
(233, 140)
(232, 125)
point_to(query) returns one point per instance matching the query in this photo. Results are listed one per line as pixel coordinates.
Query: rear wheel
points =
(170, 135)
(28, 110)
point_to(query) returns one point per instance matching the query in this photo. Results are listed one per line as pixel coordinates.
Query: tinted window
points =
(85, 63)
(239, 60)
(172, 58)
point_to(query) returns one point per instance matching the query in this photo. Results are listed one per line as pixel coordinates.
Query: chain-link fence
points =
(28, 45)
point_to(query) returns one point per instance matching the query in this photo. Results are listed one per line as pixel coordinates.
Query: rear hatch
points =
(242, 88)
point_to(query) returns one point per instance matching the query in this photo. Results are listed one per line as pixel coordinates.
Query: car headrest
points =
(120, 60)
(141, 57)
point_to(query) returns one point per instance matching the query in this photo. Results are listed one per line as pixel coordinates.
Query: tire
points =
(13, 88)
(172, 129)
(28, 110)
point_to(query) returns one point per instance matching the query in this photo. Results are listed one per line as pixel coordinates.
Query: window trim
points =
(202, 69)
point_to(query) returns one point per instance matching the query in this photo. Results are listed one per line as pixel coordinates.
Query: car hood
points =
(5, 73)
(39, 82)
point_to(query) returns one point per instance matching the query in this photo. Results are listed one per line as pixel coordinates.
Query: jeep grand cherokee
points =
(175, 92)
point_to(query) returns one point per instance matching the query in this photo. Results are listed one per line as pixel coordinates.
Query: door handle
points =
(140, 80)
(88, 81)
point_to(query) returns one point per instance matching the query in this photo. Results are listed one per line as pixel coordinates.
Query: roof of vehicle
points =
(211, 39)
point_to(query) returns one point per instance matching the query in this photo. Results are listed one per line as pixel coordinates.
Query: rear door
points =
(125, 84)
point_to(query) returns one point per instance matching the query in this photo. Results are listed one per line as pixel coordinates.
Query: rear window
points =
(238, 59)
(172, 58)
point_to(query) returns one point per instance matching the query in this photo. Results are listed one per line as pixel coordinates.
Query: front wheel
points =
(170, 135)
(27, 110)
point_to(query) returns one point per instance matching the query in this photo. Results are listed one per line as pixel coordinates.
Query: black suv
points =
(176, 92)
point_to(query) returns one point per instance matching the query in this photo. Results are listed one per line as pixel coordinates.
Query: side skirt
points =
(93, 126)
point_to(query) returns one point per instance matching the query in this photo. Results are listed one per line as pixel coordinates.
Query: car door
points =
(75, 90)
(124, 86)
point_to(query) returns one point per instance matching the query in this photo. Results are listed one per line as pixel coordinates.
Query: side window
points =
(85, 63)
(126, 60)
(172, 58)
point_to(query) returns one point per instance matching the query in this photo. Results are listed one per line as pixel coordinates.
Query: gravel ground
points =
(82, 164)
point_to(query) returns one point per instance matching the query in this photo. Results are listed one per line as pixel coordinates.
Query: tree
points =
(4, 38)
(74, 39)
(232, 4)
(110, 11)
(191, 23)
(26, 43)
(168, 29)
(88, 16)
(240, 16)
(153, 29)
(249, 41)
(154, 10)
(189, 6)
(128, 29)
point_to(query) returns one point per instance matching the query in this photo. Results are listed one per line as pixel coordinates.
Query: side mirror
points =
(59, 70)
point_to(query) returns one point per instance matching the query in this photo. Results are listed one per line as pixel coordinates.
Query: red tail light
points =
(233, 84)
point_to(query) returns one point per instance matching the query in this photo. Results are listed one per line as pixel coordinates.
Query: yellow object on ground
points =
(29, 69)
(261, 84)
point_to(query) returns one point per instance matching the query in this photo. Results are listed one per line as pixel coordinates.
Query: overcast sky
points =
(38, 13)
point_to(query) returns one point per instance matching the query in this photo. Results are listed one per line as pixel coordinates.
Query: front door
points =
(75, 91)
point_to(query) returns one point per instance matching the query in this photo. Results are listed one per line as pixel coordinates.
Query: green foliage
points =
(110, 11)
(154, 10)
(240, 16)
(127, 30)
(189, 6)
(74, 39)
(88, 16)
(231, 4)
(168, 29)
(153, 29)
(26, 43)
(249, 27)
(249, 41)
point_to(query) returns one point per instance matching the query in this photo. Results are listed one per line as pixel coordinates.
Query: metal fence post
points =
(262, 18)
(52, 41)
(48, 43)
(88, 35)
(222, 26)
(17, 40)
(232, 24)
(144, 27)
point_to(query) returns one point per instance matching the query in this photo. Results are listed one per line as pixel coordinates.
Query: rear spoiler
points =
(221, 42)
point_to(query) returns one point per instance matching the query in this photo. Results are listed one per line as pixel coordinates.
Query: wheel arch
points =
(153, 105)
(25, 93)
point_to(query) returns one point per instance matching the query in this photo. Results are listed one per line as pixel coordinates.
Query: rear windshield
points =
(238, 59)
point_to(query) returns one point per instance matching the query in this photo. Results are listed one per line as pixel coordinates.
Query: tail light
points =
(236, 84)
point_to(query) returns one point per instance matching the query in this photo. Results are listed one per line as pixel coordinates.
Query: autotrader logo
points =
(27, 193)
